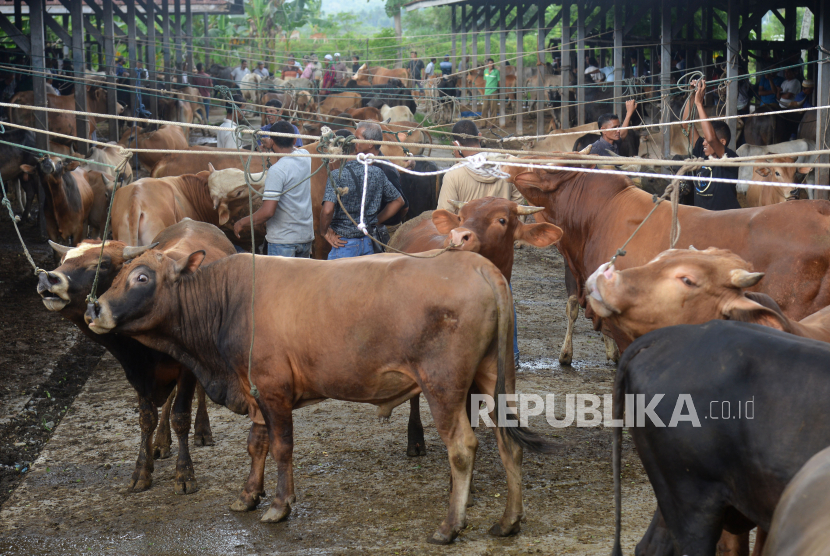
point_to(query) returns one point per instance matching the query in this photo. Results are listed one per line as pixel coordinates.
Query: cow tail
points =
(522, 436)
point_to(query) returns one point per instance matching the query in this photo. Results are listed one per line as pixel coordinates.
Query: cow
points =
(396, 114)
(381, 75)
(365, 113)
(249, 86)
(441, 349)
(720, 473)
(487, 226)
(76, 200)
(598, 213)
(393, 93)
(96, 102)
(560, 140)
(759, 195)
(12, 159)
(153, 374)
(768, 129)
(142, 209)
(340, 102)
(421, 191)
(197, 158)
(447, 89)
(222, 75)
(102, 159)
(174, 109)
(167, 137)
(305, 103)
(408, 132)
(800, 523)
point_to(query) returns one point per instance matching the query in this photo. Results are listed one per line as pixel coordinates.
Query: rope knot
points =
(481, 165)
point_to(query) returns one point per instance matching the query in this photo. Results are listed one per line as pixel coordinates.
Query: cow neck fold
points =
(66, 198)
(195, 189)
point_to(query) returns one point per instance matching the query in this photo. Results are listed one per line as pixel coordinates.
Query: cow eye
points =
(778, 174)
(141, 278)
(502, 221)
(686, 280)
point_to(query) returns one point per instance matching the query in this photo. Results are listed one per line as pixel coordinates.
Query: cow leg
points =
(416, 446)
(612, 352)
(280, 424)
(571, 313)
(180, 421)
(254, 488)
(733, 545)
(697, 521)
(164, 441)
(760, 540)
(142, 477)
(202, 435)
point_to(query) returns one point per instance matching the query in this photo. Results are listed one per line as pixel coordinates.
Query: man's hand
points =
(240, 224)
(630, 106)
(334, 240)
(700, 92)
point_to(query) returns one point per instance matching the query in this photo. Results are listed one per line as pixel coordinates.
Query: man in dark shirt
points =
(373, 132)
(415, 68)
(712, 194)
(611, 134)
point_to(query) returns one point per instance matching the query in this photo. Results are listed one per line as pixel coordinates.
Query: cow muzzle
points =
(601, 277)
(52, 288)
(462, 239)
(99, 317)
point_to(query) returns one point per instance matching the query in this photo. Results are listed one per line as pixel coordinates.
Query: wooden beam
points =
(109, 51)
(733, 60)
(454, 27)
(152, 99)
(554, 21)
(57, 29)
(595, 21)
(81, 122)
(188, 29)
(822, 35)
(92, 30)
(540, 69)
(465, 92)
(206, 25)
(22, 41)
(165, 41)
(502, 66)
(636, 17)
(132, 53)
(718, 19)
(487, 30)
(38, 53)
(565, 51)
(580, 65)
(665, 74)
(520, 50)
(177, 35)
(618, 59)
(749, 23)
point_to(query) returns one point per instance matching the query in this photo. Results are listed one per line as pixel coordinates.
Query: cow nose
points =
(459, 237)
(52, 278)
(93, 311)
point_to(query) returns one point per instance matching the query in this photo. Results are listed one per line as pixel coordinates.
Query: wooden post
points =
(463, 62)
(188, 29)
(474, 48)
(580, 63)
(132, 54)
(665, 76)
(18, 14)
(207, 40)
(619, 31)
(733, 59)
(541, 34)
(487, 30)
(177, 37)
(823, 97)
(81, 122)
(151, 96)
(109, 50)
(37, 42)
(453, 49)
(520, 66)
(502, 66)
(165, 42)
(565, 49)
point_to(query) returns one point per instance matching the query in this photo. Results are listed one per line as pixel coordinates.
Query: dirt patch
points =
(357, 491)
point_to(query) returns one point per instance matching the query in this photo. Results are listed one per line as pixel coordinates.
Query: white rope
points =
(366, 160)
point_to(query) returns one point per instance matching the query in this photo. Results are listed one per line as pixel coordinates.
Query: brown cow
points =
(598, 213)
(166, 137)
(442, 349)
(340, 103)
(96, 101)
(487, 226)
(761, 196)
(192, 162)
(381, 75)
(153, 374)
(101, 159)
(363, 114)
(142, 209)
(76, 200)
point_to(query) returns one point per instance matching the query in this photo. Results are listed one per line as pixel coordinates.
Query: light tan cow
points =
(168, 137)
(340, 102)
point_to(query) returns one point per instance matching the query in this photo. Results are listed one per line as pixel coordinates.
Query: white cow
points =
(396, 114)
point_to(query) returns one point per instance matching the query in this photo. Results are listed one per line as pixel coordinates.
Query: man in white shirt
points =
(261, 70)
(225, 136)
(429, 71)
(240, 71)
(789, 89)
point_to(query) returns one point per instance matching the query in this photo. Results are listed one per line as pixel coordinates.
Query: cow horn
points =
(744, 279)
(133, 252)
(693, 248)
(522, 210)
(457, 205)
(60, 249)
(586, 150)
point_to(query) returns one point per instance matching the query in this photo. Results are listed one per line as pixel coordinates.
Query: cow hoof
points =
(440, 538)
(205, 439)
(566, 358)
(276, 514)
(186, 486)
(140, 485)
(498, 530)
(161, 452)
(416, 450)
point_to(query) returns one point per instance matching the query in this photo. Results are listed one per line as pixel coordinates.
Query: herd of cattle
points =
(175, 297)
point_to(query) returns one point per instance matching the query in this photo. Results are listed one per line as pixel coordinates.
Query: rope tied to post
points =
(673, 193)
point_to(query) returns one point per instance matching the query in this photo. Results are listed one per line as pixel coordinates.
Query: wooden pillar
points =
(474, 48)
(132, 53)
(18, 14)
(177, 36)
(520, 51)
(823, 96)
(463, 62)
(454, 49)
(150, 97)
(165, 42)
(580, 63)
(207, 40)
(37, 42)
(565, 49)
(665, 76)
(188, 29)
(109, 50)
(487, 30)
(502, 66)
(619, 31)
(540, 69)
(81, 122)
(733, 46)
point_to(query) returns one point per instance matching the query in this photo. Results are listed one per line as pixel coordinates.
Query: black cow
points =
(769, 129)
(392, 94)
(760, 397)
(221, 75)
(11, 158)
(421, 191)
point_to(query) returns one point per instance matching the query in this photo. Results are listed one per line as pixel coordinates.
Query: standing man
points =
(261, 70)
(204, 84)
(286, 199)
(391, 174)
(415, 67)
(429, 72)
(329, 77)
(240, 71)
(446, 66)
(491, 90)
(273, 113)
(355, 63)
(711, 194)
(225, 136)
(610, 132)
(341, 72)
(344, 237)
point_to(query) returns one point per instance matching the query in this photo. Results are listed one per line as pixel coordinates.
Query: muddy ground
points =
(357, 491)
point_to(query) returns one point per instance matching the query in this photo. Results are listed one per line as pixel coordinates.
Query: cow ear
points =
(804, 170)
(540, 235)
(190, 264)
(764, 172)
(445, 221)
(743, 309)
(211, 168)
(224, 214)
(27, 168)
(71, 166)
